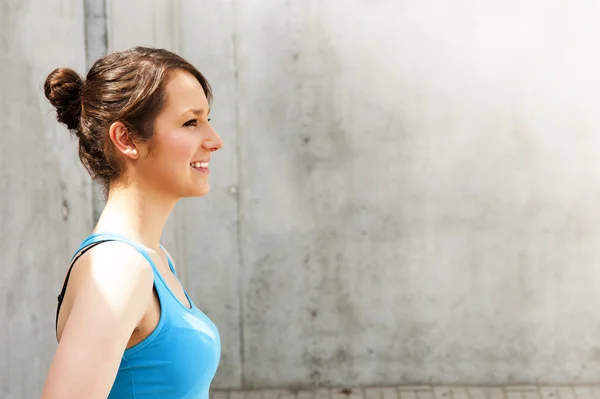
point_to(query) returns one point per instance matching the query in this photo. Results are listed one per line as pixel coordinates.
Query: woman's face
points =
(183, 141)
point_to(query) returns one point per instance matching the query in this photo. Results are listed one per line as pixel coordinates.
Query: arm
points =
(112, 287)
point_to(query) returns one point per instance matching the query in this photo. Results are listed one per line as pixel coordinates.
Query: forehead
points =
(183, 91)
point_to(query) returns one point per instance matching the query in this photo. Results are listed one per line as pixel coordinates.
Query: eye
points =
(191, 122)
(209, 119)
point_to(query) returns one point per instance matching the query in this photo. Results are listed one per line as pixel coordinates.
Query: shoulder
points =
(116, 271)
(114, 259)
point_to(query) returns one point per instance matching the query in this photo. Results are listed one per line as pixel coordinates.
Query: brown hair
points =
(126, 86)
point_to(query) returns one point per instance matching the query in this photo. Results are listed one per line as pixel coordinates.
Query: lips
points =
(201, 165)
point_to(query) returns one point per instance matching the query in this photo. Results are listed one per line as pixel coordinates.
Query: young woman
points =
(126, 327)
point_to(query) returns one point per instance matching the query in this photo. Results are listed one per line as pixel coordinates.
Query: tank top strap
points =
(169, 260)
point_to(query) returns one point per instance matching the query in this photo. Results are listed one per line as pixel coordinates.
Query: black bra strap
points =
(61, 296)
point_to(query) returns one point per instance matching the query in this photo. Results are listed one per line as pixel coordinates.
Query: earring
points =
(134, 152)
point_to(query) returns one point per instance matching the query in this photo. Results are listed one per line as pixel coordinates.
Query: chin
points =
(200, 191)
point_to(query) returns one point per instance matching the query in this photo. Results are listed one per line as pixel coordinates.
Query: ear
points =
(121, 138)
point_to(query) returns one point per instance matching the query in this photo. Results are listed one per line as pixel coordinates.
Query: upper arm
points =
(112, 288)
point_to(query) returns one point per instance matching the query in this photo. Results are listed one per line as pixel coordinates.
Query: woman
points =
(126, 327)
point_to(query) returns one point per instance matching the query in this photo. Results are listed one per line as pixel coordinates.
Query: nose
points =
(212, 142)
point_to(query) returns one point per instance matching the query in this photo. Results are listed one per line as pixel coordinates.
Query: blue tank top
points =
(179, 358)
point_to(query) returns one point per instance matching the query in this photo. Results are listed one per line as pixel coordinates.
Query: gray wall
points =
(45, 207)
(407, 193)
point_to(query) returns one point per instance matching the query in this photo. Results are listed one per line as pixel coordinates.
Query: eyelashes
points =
(193, 122)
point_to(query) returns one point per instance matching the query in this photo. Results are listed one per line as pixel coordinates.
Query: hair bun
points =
(63, 90)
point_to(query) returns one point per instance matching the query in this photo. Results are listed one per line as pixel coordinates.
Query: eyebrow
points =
(197, 111)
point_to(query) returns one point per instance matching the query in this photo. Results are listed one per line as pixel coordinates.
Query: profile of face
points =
(176, 160)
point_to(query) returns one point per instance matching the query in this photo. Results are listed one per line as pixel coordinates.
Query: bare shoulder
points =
(114, 262)
(112, 275)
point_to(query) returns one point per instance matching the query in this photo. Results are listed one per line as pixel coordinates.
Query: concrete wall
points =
(45, 207)
(407, 192)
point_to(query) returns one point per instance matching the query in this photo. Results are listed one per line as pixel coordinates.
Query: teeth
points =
(199, 164)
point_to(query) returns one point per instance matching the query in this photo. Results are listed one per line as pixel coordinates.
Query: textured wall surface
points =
(45, 207)
(418, 191)
(407, 192)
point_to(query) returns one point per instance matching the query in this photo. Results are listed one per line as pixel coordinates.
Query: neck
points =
(137, 213)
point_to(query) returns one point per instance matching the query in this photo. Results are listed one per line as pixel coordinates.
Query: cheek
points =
(176, 148)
